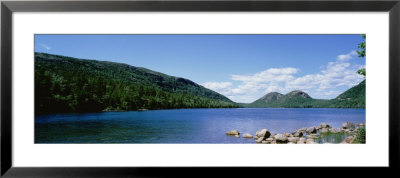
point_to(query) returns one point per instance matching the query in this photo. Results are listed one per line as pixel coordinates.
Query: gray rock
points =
(302, 129)
(259, 140)
(269, 139)
(349, 139)
(311, 130)
(347, 125)
(293, 139)
(280, 138)
(247, 135)
(232, 132)
(298, 134)
(325, 125)
(312, 136)
(334, 130)
(324, 130)
(310, 141)
(264, 133)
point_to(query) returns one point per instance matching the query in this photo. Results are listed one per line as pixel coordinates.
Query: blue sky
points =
(242, 67)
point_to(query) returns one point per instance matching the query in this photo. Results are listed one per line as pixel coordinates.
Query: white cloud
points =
(44, 46)
(326, 84)
(217, 85)
(346, 57)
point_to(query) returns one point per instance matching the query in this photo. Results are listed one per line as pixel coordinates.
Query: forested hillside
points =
(352, 98)
(65, 84)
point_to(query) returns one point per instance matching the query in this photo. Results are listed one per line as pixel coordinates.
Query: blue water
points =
(183, 125)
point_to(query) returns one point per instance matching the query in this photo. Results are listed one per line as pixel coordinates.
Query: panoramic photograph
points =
(200, 88)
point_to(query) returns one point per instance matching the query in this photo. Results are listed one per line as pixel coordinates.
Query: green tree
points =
(362, 53)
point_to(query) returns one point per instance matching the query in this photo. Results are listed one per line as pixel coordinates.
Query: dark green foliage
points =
(362, 46)
(360, 136)
(362, 53)
(65, 84)
(352, 98)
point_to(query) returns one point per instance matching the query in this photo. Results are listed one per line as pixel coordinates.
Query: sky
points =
(241, 67)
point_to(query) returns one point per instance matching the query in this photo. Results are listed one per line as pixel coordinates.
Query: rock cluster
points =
(302, 135)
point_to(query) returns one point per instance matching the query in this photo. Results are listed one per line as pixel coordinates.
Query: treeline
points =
(64, 84)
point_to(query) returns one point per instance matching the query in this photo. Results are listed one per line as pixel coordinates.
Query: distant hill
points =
(66, 84)
(352, 98)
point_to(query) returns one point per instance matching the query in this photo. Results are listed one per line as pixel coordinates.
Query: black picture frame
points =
(8, 7)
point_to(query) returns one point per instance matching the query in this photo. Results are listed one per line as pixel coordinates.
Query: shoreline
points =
(348, 133)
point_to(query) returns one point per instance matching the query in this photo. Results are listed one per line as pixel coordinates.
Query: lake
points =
(184, 125)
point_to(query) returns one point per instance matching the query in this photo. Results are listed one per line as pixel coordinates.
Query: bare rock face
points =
(264, 133)
(232, 132)
(247, 135)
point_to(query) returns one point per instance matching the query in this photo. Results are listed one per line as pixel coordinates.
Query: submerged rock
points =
(259, 140)
(232, 132)
(247, 135)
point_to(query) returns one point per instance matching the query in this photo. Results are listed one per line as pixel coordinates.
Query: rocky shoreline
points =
(310, 135)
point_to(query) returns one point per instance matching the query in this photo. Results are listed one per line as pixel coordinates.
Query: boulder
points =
(325, 125)
(298, 134)
(247, 135)
(302, 139)
(286, 134)
(264, 133)
(310, 141)
(311, 130)
(280, 138)
(312, 136)
(232, 132)
(347, 125)
(349, 139)
(334, 130)
(324, 130)
(259, 140)
(269, 139)
(293, 139)
(302, 129)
